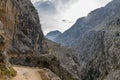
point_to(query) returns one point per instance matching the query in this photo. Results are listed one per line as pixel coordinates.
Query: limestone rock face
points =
(21, 25)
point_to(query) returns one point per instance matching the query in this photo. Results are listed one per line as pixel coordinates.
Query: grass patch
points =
(7, 72)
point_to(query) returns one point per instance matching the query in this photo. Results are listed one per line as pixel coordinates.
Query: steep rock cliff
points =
(21, 25)
(26, 44)
(13, 37)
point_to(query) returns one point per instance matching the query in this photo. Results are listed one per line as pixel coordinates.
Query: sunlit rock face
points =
(21, 25)
(96, 39)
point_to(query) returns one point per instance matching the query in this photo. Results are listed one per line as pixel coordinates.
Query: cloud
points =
(51, 11)
(33, 1)
(62, 14)
(53, 6)
(104, 1)
(46, 7)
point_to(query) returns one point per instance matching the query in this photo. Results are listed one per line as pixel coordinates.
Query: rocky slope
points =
(53, 35)
(96, 39)
(66, 57)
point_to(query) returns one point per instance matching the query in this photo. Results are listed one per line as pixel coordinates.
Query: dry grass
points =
(7, 72)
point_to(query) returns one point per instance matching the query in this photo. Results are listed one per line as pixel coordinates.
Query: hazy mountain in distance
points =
(53, 35)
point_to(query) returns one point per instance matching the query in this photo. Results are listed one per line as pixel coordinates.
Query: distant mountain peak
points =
(53, 35)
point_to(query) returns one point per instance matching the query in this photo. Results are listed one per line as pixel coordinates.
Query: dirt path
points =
(26, 73)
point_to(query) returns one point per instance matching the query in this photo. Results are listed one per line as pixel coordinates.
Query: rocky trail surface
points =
(30, 73)
(26, 73)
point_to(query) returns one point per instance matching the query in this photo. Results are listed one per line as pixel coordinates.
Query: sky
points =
(62, 14)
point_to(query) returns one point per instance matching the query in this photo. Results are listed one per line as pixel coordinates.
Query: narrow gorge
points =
(89, 50)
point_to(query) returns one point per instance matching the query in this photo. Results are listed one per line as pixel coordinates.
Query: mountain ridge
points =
(95, 39)
(53, 35)
(97, 15)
